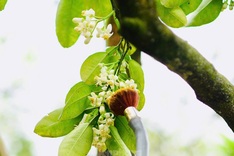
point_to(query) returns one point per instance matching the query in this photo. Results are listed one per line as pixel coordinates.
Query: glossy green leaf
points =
(51, 126)
(115, 144)
(207, 12)
(126, 133)
(172, 3)
(67, 10)
(101, 7)
(90, 67)
(173, 17)
(77, 91)
(76, 101)
(78, 142)
(137, 74)
(2, 4)
(141, 101)
(190, 6)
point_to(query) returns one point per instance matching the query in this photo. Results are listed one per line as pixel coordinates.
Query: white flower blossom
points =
(102, 133)
(89, 14)
(86, 26)
(109, 82)
(105, 33)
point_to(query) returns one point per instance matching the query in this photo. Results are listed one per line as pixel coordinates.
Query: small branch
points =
(3, 151)
(141, 26)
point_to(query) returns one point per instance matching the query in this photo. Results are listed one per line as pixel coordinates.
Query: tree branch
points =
(141, 26)
(3, 151)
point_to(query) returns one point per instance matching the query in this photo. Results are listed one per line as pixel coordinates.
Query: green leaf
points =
(115, 144)
(172, 3)
(137, 74)
(78, 142)
(190, 6)
(90, 67)
(51, 126)
(207, 12)
(101, 7)
(76, 101)
(77, 91)
(67, 10)
(141, 101)
(2, 4)
(126, 133)
(173, 17)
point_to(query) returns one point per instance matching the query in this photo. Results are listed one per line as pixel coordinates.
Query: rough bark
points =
(140, 25)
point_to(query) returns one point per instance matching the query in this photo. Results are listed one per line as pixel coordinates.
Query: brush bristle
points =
(122, 99)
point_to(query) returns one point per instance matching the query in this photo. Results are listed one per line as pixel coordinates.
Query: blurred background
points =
(36, 73)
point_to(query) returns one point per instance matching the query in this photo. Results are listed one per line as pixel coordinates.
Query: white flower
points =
(93, 98)
(102, 109)
(89, 14)
(77, 20)
(130, 83)
(104, 87)
(85, 26)
(105, 33)
(102, 133)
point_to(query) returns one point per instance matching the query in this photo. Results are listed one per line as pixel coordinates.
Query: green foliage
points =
(68, 9)
(126, 133)
(174, 17)
(79, 110)
(115, 144)
(142, 101)
(2, 4)
(172, 3)
(101, 7)
(207, 13)
(228, 147)
(174, 13)
(137, 74)
(51, 126)
(86, 105)
(78, 142)
(76, 101)
(90, 67)
(190, 6)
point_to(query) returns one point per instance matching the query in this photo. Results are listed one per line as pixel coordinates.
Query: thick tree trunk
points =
(140, 25)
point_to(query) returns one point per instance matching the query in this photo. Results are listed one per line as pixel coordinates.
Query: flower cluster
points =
(87, 24)
(98, 99)
(107, 78)
(109, 82)
(102, 133)
(228, 3)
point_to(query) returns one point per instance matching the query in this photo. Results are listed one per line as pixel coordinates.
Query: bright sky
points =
(32, 58)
